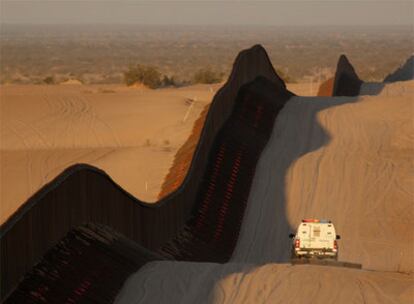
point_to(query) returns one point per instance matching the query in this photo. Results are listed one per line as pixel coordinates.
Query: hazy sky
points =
(196, 12)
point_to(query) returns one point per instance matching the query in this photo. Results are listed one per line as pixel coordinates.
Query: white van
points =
(315, 238)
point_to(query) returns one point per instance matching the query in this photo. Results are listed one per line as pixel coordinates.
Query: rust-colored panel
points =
(326, 87)
(183, 158)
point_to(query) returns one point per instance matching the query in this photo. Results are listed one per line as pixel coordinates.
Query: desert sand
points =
(304, 88)
(345, 159)
(187, 283)
(348, 159)
(131, 133)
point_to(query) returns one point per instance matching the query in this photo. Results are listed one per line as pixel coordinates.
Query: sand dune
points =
(348, 159)
(341, 160)
(83, 193)
(131, 134)
(134, 141)
(345, 158)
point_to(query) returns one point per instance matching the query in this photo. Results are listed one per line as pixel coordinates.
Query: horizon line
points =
(212, 25)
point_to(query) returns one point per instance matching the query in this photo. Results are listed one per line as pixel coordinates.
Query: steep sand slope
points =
(400, 88)
(346, 159)
(131, 134)
(403, 73)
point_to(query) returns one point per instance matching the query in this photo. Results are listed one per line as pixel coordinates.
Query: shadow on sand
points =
(264, 234)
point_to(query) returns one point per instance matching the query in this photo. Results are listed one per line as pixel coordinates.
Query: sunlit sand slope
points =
(131, 134)
(347, 159)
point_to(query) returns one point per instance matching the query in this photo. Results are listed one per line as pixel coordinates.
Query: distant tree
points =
(207, 76)
(169, 81)
(49, 80)
(147, 75)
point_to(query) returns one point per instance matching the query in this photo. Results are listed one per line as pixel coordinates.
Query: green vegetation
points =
(149, 76)
(146, 75)
(207, 76)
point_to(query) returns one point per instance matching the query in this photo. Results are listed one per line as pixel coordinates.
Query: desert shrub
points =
(207, 76)
(49, 80)
(169, 81)
(146, 75)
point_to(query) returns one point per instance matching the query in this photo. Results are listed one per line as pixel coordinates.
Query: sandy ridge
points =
(343, 158)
